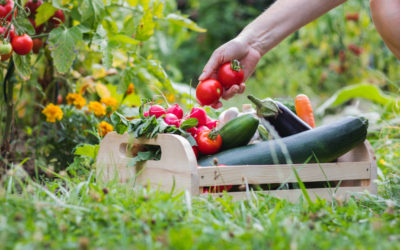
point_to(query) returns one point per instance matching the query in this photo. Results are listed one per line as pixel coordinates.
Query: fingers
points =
(217, 105)
(211, 66)
(235, 89)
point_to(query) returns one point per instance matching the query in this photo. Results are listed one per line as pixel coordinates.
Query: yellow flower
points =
(97, 108)
(76, 99)
(109, 102)
(382, 162)
(170, 97)
(131, 89)
(104, 128)
(52, 113)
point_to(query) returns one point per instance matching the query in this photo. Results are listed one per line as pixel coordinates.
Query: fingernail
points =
(202, 76)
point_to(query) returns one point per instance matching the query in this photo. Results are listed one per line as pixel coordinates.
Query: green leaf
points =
(184, 22)
(87, 150)
(62, 44)
(363, 90)
(124, 39)
(189, 123)
(158, 9)
(146, 27)
(144, 156)
(92, 12)
(44, 12)
(22, 65)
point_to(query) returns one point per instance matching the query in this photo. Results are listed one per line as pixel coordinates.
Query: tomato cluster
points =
(209, 91)
(208, 140)
(23, 44)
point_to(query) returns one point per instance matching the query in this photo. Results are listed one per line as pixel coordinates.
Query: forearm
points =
(281, 19)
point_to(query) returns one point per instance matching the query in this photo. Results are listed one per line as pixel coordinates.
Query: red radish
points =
(211, 123)
(156, 110)
(171, 119)
(196, 151)
(146, 114)
(192, 131)
(176, 110)
(201, 129)
(200, 114)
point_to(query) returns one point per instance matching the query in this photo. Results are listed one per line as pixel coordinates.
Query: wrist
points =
(261, 42)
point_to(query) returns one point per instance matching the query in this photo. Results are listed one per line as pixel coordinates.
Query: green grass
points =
(79, 212)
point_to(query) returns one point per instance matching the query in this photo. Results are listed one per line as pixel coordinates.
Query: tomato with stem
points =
(209, 142)
(231, 73)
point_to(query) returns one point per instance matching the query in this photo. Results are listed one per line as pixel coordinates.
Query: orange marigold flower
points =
(109, 102)
(97, 108)
(52, 113)
(104, 128)
(76, 99)
(131, 89)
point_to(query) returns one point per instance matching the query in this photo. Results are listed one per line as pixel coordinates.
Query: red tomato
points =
(146, 114)
(171, 119)
(6, 29)
(200, 114)
(58, 15)
(201, 129)
(32, 5)
(208, 92)
(156, 110)
(6, 8)
(22, 45)
(37, 44)
(176, 110)
(209, 142)
(230, 74)
(38, 29)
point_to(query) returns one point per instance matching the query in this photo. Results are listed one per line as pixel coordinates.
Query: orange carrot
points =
(304, 109)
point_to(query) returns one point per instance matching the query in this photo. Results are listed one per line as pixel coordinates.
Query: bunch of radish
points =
(174, 115)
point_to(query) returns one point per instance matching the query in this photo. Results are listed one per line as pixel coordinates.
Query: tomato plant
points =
(209, 142)
(32, 5)
(208, 92)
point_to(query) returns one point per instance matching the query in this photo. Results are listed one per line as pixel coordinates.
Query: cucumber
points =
(326, 142)
(238, 131)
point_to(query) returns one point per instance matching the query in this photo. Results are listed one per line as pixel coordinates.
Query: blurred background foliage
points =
(334, 51)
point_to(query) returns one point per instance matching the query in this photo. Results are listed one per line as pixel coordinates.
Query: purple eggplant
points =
(284, 121)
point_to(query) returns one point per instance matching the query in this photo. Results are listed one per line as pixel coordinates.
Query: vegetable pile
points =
(271, 133)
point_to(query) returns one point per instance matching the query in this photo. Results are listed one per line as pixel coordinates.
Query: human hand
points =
(234, 49)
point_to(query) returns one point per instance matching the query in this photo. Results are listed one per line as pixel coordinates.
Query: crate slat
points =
(293, 195)
(265, 174)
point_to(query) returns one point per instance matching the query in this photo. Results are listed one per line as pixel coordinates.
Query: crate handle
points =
(177, 166)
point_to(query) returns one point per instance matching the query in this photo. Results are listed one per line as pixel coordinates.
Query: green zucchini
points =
(326, 142)
(238, 131)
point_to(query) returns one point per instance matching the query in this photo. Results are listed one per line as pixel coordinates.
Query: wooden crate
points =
(353, 172)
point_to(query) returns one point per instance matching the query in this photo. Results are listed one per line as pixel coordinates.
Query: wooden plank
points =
(264, 174)
(177, 167)
(293, 195)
